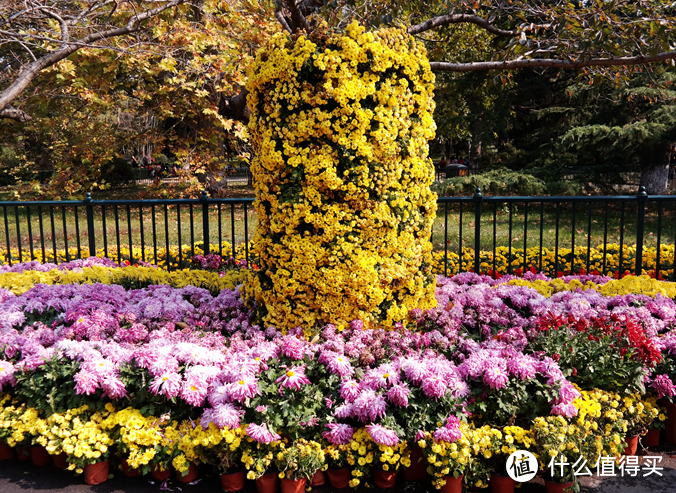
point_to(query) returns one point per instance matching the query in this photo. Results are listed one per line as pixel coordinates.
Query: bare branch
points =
(15, 114)
(549, 62)
(444, 20)
(299, 20)
(234, 107)
(280, 17)
(30, 71)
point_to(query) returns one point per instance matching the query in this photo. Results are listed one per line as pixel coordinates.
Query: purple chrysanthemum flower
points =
(226, 416)
(6, 373)
(261, 433)
(339, 433)
(194, 392)
(382, 435)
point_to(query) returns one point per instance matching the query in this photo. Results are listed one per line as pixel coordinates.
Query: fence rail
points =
(477, 233)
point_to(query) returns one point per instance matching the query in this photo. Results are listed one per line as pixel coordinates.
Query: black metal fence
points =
(557, 235)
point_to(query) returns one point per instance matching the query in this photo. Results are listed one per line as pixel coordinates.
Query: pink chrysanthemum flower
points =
(244, 388)
(566, 410)
(567, 393)
(167, 384)
(398, 395)
(261, 433)
(292, 347)
(434, 387)
(382, 435)
(113, 387)
(85, 382)
(226, 416)
(369, 406)
(293, 378)
(349, 390)
(339, 433)
(6, 373)
(340, 365)
(496, 378)
(419, 435)
(415, 370)
(664, 386)
(344, 411)
(194, 392)
(450, 432)
(383, 376)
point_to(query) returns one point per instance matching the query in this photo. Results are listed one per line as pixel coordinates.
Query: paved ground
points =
(24, 477)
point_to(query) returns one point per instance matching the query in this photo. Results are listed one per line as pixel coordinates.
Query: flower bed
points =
(166, 369)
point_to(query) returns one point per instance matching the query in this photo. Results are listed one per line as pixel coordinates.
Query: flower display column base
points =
(453, 485)
(670, 430)
(190, 476)
(233, 482)
(418, 469)
(159, 474)
(384, 479)
(632, 445)
(96, 473)
(652, 438)
(339, 478)
(268, 483)
(60, 461)
(293, 485)
(318, 479)
(130, 472)
(6, 452)
(502, 484)
(39, 455)
(552, 487)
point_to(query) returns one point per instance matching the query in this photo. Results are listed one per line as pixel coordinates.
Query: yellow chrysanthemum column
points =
(340, 127)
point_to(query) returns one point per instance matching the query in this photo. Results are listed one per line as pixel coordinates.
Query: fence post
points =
(642, 198)
(91, 235)
(478, 199)
(204, 198)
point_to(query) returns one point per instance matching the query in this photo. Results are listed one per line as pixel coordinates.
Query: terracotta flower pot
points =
(268, 483)
(384, 479)
(453, 485)
(552, 487)
(158, 474)
(339, 478)
(96, 473)
(502, 484)
(40, 456)
(652, 438)
(60, 461)
(233, 482)
(191, 476)
(130, 472)
(418, 469)
(23, 453)
(6, 452)
(318, 479)
(632, 445)
(670, 430)
(293, 485)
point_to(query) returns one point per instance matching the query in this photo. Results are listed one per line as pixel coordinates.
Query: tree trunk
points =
(447, 150)
(654, 178)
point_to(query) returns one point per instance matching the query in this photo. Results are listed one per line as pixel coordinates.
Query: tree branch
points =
(15, 114)
(30, 71)
(299, 20)
(548, 62)
(444, 20)
(234, 107)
